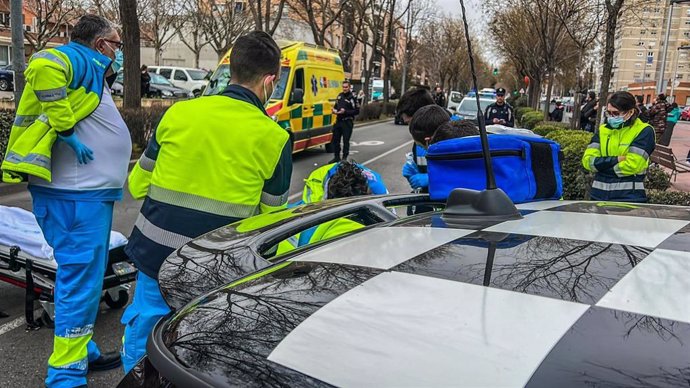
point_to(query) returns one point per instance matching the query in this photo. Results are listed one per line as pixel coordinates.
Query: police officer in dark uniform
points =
(345, 109)
(500, 112)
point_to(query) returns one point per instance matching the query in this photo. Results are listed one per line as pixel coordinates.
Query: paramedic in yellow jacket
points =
(212, 161)
(71, 144)
(619, 152)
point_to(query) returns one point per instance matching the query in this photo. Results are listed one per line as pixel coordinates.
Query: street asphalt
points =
(24, 354)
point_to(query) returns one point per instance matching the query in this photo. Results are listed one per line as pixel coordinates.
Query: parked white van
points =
(183, 77)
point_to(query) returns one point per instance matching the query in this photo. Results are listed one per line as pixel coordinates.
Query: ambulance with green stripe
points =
(311, 78)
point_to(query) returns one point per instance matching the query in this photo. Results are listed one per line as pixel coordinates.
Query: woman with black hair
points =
(619, 152)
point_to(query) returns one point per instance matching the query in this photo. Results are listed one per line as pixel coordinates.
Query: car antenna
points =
(473, 208)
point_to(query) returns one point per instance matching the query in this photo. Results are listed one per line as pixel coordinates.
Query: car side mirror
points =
(297, 96)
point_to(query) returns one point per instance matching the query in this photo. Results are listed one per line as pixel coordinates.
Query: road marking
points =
(6, 328)
(372, 160)
(366, 143)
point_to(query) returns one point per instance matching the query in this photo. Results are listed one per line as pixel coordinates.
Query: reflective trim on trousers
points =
(203, 204)
(159, 235)
(616, 186)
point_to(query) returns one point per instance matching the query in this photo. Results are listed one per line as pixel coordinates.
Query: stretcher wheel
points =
(47, 320)
(120, 302)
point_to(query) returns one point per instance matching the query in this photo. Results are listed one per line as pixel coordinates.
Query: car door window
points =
(180, 75)
(167, 73)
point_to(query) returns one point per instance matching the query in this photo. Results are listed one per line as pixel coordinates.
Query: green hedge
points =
(657, 179)
(679, 198)
(545, 127)
(576, 180)
(531, 119)
(6, 120)
(519, 112)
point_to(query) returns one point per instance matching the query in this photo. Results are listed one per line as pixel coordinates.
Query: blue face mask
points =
(119, 61)
(615, 122)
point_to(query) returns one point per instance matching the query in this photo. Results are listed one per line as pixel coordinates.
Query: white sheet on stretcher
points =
(19, 227)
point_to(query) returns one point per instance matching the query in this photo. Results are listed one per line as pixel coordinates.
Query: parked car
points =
(685, 113)
(571, 294)
(454, 100)
(468, 107)
(7, 77)
(159, 88)
(183, 77)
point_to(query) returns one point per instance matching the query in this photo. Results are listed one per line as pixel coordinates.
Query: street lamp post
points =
(675, 71)
(661, 84)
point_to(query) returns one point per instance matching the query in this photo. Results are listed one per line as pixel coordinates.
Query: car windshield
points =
(197, 75)
(456, 97)
(470, 105)
(158, 79)
(221, 78)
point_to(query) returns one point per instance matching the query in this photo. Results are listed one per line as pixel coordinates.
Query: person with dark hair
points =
(671, 121)
(415, 165)
(345, 109)
(557, 113)
(644, 113)
(500, 112)
(212, 161)
(145, 81)
(411, 101)
(657, 115)
(72, 146)
(422, 126)
(454, 130)
(588, 113)
(619, 152)
(439, 97)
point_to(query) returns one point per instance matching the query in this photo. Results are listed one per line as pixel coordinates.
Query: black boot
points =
(106, 361)
(334, 160)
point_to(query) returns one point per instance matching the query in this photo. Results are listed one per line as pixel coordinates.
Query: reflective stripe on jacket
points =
(212, 161)
(63, 86)
(614, 180)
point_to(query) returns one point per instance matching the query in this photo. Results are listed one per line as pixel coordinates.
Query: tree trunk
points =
(613, 9)
(197, 54)
(157, 54)
(131, 39)
(549, 91)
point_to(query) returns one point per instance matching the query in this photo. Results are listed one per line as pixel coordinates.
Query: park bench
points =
(663, 156)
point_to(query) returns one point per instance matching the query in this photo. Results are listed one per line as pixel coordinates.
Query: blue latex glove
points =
(83, 153)
(419, 181)
(409, 169)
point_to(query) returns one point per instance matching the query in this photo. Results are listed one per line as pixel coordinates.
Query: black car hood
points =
(249, 332)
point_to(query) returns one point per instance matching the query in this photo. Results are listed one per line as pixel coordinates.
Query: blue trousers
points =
(141, 315)
(79, 234)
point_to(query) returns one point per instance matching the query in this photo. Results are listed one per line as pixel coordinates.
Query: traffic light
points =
(495, 72)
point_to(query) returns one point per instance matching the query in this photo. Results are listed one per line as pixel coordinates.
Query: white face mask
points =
(266, 95)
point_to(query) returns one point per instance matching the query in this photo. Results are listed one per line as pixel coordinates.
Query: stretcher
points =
(26, 261)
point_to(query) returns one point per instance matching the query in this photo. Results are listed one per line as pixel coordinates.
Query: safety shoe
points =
(106, 361)
(334, 160)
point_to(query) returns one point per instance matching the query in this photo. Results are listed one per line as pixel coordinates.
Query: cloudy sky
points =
(476, 22)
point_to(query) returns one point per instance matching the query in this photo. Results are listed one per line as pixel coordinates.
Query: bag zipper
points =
(476, 155)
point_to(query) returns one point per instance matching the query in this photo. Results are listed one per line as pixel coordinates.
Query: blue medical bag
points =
(527, 168)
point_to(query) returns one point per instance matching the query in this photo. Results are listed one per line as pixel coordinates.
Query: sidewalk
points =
(680, 143)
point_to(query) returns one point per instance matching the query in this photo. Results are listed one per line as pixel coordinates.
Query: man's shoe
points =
(334, 160)
(106, 361)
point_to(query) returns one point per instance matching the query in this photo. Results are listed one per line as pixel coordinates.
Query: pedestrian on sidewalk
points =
(212, 161)
(76, 167)
(439, 97)
(588, 114)
(557, 113)
(658, 114)
(345, 109)
(671, 121)
(644, 112)
(145, 81)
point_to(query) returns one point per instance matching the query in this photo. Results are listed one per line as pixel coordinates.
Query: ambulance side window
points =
(299, 80)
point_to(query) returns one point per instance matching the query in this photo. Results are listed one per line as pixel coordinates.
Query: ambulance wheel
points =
(47, 320)
(120, 302)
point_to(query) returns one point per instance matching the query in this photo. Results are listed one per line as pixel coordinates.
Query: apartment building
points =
(640, 41)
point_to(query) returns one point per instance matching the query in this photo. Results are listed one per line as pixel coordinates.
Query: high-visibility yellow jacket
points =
(212, 161)
(63, 86)
(614, 180)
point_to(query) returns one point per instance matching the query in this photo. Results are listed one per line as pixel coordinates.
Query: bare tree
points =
(266, 13)
(188, 27)
(159, 24)
(223, 22)
(320, 15)
(354, 29)
(50, 18)
(613, 12)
